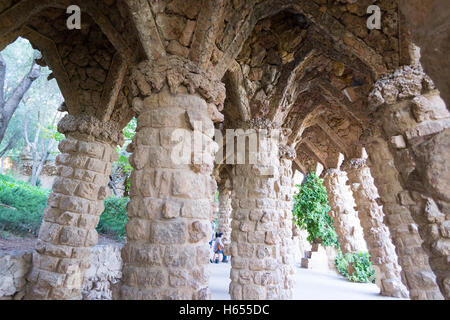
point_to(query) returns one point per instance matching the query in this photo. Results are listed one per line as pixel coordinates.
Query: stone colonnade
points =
(172, 190)
(376, 234)
(254, 249)
(416, 270)
(285, 194)
(261, 257)
(408, 161)
(345, 217)
(166, 255)
(68, 232)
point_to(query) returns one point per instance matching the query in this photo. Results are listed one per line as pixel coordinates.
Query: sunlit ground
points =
(310, 285)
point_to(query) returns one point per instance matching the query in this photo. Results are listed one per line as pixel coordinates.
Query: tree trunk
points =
(11, 143)
(112, 185)
(38, 169)
(8, 107)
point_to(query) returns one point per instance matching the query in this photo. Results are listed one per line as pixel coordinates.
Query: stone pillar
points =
(255, 241)
(67, 233)
(286, 190)
(377, 235)
(345, 217)
(416, 271)
(410, 155)
(225, 210)
(172, 191)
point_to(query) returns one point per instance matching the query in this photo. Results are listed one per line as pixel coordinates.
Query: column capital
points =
(405, 82)
(180, 76)
(107, 131)
(286, 152)
(354, 164)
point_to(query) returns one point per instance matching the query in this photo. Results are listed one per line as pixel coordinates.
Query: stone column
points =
(285, 189)
(345, 217)
(416, 271)
(255, 241)
(68, 232)
(225, 210)
(172, 191)
(377, 235)
(409, 160)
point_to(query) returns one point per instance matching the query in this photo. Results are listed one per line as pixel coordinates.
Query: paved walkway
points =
(310, 285)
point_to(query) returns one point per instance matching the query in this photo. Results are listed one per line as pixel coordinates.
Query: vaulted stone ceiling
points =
(304, 65)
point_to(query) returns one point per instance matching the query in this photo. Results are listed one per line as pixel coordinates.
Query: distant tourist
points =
(217, 248)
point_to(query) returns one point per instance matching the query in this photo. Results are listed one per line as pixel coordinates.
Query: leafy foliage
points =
(123, 164)
(43, 94)
(113, 219)
(51, 132)
(311, 211)
(21, 206)
(363, 270)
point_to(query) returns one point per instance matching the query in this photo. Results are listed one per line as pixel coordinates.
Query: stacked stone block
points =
(68, 228)
(345, 217)
(285, 190)
(376, 233)
(255, 239)
(416, 270)
(415, 129)
(167, 252)
(225, 211)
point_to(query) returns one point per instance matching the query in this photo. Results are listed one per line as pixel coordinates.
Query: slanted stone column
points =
(225, 210)
(416, 270)
(376, 234)
(410, 167)
(255, 241)
(285, 190)
(67, 233)
(345, 217)
(172, 191)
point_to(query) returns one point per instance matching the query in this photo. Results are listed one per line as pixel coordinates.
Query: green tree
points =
(11, 93)
(311, 211)
(122, 167)
(33, 124)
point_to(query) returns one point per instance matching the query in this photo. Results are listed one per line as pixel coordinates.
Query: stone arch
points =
(90, 67)
(181, 63)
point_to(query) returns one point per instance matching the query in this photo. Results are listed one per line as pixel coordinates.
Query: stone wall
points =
(14, 266)
(105, 271)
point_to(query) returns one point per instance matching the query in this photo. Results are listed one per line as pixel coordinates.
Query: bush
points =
(23, 206)
(113, 219)
(311, 211)
(363, 270)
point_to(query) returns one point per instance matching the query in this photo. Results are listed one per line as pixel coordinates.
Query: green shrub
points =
(21, 206)
(113, 219)
(311, 211)
(363, 270)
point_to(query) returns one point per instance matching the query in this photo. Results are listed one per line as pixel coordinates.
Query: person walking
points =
(218, 247)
